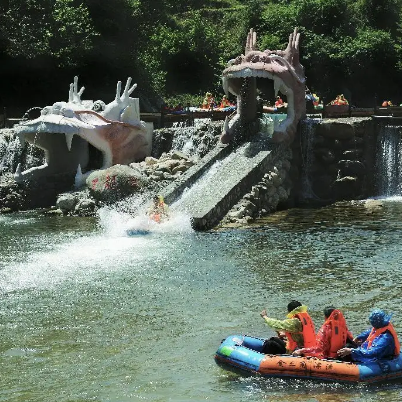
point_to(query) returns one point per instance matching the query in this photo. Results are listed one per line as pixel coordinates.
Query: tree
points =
(60, 29)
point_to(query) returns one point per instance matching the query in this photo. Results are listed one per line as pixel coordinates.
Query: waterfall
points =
(12, 154)
(183, 140)
(307, 146)
(389, 155)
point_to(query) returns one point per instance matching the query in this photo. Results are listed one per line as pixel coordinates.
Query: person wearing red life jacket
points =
(379, 342)
(279, 102)
(332, 336)
(297, 329)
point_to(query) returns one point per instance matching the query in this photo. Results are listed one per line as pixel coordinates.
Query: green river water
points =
(90, 314)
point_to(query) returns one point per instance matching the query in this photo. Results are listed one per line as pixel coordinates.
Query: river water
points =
(91, 314)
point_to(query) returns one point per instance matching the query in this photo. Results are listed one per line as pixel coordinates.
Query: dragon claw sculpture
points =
(283, 68)
(115, 130)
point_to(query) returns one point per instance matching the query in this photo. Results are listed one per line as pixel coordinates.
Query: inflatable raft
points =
(244, 352)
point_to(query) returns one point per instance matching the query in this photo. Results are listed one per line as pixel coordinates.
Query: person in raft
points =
(332, 336)
(279, 102)
(379, 342)
(225, 102)
(296, 331)
(158, 211)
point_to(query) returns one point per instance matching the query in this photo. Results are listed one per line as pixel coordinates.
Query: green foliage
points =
(326, 17)
(187, 52)
(59, 29)
(379, 14)
(178, 48)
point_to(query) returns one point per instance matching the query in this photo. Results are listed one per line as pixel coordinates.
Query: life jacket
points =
(308, 331)
(279, 102)
(339, 332)
(156, 217)
(378, 331)
(224, 103)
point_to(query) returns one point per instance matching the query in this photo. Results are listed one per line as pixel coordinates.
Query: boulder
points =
(347, 188)
(67, 202)
(351, 168)
(85, 207)
(114, 183)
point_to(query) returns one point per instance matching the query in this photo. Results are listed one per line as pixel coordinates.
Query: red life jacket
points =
(339, 332)
(378, 331)
(308, 332)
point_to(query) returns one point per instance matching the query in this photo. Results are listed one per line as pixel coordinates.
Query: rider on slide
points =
(158, 211)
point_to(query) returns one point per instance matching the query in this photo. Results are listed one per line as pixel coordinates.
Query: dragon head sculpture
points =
(65, 131)
(283, 68)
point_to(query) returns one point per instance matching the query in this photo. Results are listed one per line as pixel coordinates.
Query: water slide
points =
(211, 188)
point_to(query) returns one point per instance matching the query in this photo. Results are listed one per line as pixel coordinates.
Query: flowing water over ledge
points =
(90, 314)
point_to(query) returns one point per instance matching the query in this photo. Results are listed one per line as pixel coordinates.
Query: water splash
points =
(79, 260)
(117, 223)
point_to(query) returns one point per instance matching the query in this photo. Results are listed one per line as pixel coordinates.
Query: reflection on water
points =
(89, 313)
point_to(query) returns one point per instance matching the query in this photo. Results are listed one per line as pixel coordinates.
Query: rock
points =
(56, 212)
(347, 188)
(373, 206)
(324, 154)
(66, 202)
(286, 165)
(149, 160)
(282, 193)
(85, 207)
(178, 155)
(351, 168)
(6, 210)
(114, 183)
(276, 179)
(336, 129)
(179, 168)
(353, 154)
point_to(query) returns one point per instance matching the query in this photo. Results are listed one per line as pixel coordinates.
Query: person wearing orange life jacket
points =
(332, 336)
(379, 342)
(224, 102)
(158, 211)
(297, 328)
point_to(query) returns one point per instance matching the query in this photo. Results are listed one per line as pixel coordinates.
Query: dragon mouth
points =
(282, 67)
(86, 135)
(232, 81)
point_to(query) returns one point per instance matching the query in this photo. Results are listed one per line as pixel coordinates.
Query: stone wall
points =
(339, 162)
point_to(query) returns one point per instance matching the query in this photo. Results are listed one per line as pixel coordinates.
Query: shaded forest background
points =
(176, 49)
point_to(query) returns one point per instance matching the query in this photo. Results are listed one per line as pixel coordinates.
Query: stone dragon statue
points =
(281, 66)
(65, 129)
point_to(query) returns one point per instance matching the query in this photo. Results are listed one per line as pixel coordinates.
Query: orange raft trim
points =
(245, 352)
(311, 367)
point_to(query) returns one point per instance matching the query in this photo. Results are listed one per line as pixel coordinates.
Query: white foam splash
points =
(115, 223)
(79, 260)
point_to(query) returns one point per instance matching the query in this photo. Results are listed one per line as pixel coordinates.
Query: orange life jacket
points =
(308, 332)
(156, 217)
(378, 331)
(339, 332)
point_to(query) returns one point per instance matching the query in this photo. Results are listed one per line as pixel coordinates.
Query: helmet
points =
(378, 318)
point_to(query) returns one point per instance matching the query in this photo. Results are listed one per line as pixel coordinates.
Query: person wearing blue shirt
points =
(379, 342)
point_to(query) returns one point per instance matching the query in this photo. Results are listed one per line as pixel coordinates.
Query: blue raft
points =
(244, 352)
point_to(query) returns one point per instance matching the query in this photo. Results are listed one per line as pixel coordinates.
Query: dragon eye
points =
(67, 112)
